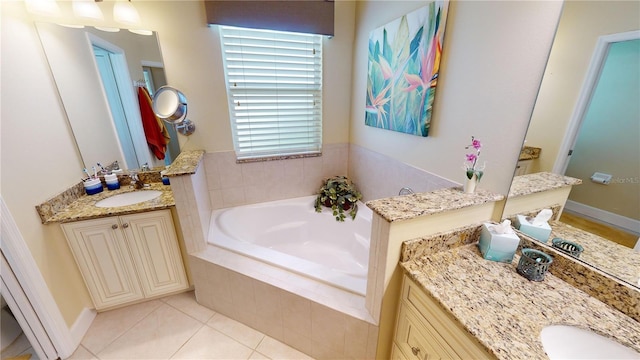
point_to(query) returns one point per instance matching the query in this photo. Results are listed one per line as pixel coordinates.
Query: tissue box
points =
(540, 233)
(497, 247)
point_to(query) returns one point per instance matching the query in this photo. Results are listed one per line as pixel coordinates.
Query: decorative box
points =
(539, 232)
(496, 246)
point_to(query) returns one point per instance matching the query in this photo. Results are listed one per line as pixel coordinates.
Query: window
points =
(274, 89)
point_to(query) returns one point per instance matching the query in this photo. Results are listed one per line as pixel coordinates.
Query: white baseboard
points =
(81, 325)
(620, 221)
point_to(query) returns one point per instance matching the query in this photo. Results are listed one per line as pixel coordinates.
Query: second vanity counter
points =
(507, 312)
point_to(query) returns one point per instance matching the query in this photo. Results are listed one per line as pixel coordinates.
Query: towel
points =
(154, 129)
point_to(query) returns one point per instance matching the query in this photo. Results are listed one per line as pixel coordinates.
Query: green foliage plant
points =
(340, 194)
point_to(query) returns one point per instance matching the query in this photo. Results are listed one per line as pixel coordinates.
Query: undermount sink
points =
(570, 342)
(129, 198)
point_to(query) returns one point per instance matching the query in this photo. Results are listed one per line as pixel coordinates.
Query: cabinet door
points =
(154, 248)
(416, 341)
(101, 253)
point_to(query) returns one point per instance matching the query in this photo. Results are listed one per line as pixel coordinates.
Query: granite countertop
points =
(84, 207)
(612, 258)
(538, 182)
(505, 311)
(186, 163)
(407, 207)
(529, 153)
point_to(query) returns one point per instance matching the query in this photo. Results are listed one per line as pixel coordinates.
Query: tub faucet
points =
(405, 191)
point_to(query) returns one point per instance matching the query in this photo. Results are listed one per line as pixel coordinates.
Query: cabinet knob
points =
(415, 350)
(114, 226)
(125, 225)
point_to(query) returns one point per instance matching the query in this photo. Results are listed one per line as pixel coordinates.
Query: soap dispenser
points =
(112, 181)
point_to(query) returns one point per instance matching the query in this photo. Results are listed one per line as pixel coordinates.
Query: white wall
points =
(609, 138)
(494, 54)
(581, 24)
(39, 158)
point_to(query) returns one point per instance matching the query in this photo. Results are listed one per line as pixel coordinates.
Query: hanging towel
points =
(152, 125)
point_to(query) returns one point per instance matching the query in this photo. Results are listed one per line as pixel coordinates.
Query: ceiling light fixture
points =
(87, 9)
(43, 7)
(124, 12)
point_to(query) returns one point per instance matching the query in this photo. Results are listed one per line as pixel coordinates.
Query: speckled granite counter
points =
(529, 153)
(615, 259)
(538, 182)
(186, 163)
(83, 208)
(407, 207)
(506, 312)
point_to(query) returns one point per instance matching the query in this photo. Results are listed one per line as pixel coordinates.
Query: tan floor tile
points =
(209, 343)
(186, 302)
(157, 336)
(82, 354)
(109, 325)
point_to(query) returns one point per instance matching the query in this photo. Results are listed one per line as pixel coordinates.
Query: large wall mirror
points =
(97, 74)
(604, 136)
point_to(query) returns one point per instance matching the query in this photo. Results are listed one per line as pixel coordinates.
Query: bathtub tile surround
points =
(278, 304)
(379, 176)
(194, 210)
(230, 183)
(506, 312)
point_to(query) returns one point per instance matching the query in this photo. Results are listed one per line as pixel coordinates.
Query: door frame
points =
(26, 289)
(128, 97)
(586, 93)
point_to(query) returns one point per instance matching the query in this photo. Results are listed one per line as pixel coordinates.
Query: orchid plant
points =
(471, 165)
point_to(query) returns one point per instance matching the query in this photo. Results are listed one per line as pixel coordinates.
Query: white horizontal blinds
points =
(274, 86)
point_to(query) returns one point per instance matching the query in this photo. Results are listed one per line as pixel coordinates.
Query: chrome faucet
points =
(136, 183)
(405, 191)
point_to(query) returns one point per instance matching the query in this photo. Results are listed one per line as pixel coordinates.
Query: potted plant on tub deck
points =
(340, 194)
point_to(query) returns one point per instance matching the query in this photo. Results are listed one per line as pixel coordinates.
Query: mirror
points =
(96, 73)
(170, 105)
(608, 135)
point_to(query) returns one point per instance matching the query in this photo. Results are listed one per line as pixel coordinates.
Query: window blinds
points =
(274, 88)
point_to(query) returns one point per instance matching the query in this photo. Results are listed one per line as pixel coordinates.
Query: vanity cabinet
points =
(523, 167)
(127, 258)
(425, 331)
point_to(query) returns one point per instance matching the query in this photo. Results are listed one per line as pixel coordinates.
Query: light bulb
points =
(126, 13)
(43, 7)
(87, 9)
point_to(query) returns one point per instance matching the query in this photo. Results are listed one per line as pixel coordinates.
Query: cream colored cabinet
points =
(127, 258)
(522, 168)
(425, 331)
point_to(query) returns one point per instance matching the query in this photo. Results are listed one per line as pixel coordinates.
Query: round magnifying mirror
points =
(170, 104)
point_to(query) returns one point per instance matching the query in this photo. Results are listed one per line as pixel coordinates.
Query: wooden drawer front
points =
(444, 324)
(416, 341)
(396, 354)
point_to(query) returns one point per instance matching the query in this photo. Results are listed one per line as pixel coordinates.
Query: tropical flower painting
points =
(404, 58)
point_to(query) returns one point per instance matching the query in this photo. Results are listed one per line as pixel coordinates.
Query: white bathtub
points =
(291, 235)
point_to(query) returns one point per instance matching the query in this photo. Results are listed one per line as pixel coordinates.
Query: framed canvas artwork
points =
(403, 64)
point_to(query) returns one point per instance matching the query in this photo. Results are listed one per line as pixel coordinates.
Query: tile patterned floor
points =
(176, 327)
